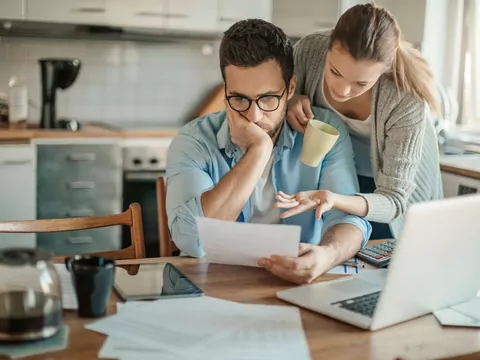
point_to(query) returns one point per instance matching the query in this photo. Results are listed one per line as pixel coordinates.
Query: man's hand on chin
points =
(312, 261)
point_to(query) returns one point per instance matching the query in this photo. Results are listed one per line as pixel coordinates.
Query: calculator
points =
(378, 255)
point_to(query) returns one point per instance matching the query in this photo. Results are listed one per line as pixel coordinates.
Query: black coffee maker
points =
(55, 74)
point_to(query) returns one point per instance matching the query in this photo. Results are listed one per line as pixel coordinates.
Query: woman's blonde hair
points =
(372, 33)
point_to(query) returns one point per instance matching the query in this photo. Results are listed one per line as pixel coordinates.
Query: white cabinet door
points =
(231, 11)
(305, 16)
(17, 191)
(192, 15)
(457, 185)
(148, 14)
(11, 9)
(67, 11)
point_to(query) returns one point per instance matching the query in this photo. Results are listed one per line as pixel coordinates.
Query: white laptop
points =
(435, 264)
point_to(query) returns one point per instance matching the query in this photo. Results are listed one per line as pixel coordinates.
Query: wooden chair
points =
(167, 246)
(131, 217)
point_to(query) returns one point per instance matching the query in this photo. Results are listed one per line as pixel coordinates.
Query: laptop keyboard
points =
(364, 304)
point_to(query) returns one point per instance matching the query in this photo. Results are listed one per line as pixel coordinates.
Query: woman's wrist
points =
(350, 204)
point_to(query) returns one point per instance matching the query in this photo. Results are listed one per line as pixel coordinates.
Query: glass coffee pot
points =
(30, 295)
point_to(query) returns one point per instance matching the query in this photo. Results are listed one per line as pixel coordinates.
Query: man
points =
(230, 165)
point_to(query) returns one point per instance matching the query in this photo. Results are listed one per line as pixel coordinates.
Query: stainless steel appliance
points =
(56, 74)
(30, 295)
(144, 160)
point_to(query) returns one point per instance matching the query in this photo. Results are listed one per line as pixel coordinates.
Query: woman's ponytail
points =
(412, 73)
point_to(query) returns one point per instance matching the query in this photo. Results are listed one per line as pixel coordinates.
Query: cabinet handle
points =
(80, 213)
(16, 162)
(80, 239)
(89, 10)
(177, 16)
(82, 157)
(81, 184)
(150, 14)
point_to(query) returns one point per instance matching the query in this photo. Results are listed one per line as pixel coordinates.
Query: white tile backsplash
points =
(120, 83)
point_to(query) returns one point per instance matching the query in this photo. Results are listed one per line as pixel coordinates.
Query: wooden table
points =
(422, 338)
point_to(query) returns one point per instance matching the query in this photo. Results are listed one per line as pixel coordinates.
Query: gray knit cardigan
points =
(404, 151)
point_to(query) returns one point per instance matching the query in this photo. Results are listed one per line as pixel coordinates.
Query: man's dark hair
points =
(249, 43)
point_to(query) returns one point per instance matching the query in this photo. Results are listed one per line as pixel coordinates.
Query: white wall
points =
(148, 84)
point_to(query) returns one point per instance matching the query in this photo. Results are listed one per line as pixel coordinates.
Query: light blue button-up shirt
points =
(202, 153)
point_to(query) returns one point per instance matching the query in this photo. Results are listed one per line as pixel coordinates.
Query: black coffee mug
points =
(92, 278)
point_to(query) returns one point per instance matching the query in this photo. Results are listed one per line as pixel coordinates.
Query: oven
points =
(144, 160)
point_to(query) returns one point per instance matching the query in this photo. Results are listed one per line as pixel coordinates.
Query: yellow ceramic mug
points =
(318, 140)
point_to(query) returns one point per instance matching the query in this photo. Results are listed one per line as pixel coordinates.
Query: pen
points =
(353, 263)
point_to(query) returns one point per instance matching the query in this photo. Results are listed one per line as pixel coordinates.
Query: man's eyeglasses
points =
(265, 102)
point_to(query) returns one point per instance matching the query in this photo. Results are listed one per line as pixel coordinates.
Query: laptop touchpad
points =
(353, 286)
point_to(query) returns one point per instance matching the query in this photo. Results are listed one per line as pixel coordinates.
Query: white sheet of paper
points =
(344, 269)
(450, 317)
(209, 329)
(469, 308)
(464, 314)
(236, 243)
(69, 298)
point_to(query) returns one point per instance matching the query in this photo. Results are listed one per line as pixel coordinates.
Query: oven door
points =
(140, 187)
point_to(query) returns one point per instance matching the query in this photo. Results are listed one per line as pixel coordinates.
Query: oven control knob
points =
(153, 161)
(137, 161)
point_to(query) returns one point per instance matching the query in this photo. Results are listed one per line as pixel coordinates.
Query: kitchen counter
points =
(464, 165)
(26, 133)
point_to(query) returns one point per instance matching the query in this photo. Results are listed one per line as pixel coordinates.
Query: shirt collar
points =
(224, 141)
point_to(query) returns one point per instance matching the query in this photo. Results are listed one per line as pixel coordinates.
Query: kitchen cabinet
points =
(11, 9)
(231, 11)
(460, 174)
(298, 18)
(17, 191)
(79, 179)
(137, 13)
(456, 185)
(68, 11)
(192, 15)
(186, 15)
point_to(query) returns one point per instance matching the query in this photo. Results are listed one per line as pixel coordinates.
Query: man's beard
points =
(273, 131)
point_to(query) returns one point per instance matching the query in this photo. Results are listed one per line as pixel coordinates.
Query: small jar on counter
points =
(17, 99)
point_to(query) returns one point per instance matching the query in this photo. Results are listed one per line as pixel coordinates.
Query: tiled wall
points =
(120, 83)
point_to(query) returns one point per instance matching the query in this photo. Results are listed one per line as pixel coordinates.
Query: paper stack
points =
(202, 328)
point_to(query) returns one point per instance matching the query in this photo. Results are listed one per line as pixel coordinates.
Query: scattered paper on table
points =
(236, 243)
(348, 269)
(344, 269)
(464, 314)
(69, 297)
(203, 328)
(469, 308)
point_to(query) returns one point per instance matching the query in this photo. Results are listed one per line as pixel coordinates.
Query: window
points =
(469, 83)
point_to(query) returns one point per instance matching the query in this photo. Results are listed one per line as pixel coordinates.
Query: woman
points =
(384, 91)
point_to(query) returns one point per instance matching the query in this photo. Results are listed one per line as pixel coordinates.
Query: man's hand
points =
(245, 133)
(312, 261)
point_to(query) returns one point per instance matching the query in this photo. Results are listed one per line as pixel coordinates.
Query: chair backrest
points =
(131, 217)
(167, 246)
